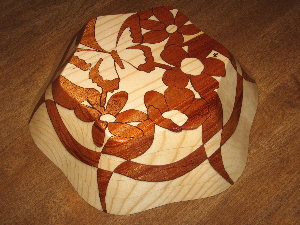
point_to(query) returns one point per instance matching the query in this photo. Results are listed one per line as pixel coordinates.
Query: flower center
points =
(108, 118)
(171, 28)
(192, 66)
(177, 117)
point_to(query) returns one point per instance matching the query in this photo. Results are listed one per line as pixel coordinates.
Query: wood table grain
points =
(263, 35)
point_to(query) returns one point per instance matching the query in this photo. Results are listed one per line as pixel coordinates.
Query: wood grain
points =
(90, 90)
(266, 192)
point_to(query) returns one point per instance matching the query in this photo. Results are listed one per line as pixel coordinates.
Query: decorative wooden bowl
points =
(149, 110)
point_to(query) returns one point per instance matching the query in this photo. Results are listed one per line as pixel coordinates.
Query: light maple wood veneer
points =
(149, 110)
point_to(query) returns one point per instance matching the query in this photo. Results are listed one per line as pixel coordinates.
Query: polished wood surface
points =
(148, 111)
(263, 35)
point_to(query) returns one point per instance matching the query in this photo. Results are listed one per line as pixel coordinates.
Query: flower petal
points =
(116, 103)
(130, 148)
(133, 24)
(152, 25)
(98, 134)
(175, 78)
(174, 54)
(156, 116)
(147, 127)
(131, 115)
(179, 99)
(198, 107)
(180, 19)
(201, 46)
(163, 15)
(214, 67)
(155, 36)
(197, 113)
(204, 84)
(175, 39)
(124, 130)
(189, 29)
(194, 122)
(86, 113)
(145, 14)
(157, 100)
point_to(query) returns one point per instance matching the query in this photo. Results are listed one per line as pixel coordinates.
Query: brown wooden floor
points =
(263, 35)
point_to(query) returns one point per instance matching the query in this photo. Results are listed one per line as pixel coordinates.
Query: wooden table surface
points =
(263, 35)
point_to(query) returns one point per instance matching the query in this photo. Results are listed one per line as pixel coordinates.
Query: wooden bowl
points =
(149, 110)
